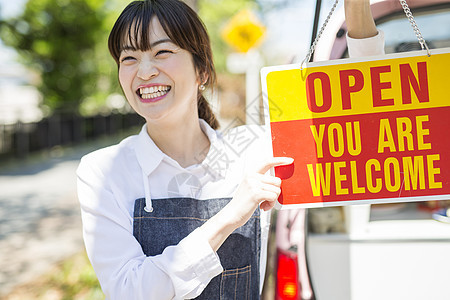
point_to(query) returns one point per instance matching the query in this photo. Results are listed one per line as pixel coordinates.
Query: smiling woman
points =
(132, 32)
(166, 74)
(164, 212)
(167, 211)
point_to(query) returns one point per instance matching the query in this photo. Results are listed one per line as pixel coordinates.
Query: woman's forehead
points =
(139, 36)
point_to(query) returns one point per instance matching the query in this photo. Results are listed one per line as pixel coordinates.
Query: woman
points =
(173, 212)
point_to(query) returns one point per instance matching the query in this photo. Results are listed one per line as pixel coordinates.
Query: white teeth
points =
(154, 91)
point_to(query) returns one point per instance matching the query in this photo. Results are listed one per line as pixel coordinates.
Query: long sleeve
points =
(366, 47)
(123, 270)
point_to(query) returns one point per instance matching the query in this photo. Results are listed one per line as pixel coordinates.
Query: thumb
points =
(273, 162)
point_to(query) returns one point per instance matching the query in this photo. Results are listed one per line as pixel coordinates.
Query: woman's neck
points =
(183, 141)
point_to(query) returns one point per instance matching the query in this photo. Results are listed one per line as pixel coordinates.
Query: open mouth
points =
(148, 93)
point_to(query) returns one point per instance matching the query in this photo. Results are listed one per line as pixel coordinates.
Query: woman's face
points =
(161, 82)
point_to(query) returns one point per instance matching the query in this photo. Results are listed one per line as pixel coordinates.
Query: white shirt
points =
(111, 179)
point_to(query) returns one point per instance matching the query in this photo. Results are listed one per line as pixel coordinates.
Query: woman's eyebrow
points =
(132, 48)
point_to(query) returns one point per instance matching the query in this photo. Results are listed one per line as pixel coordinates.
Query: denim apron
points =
(174, 218)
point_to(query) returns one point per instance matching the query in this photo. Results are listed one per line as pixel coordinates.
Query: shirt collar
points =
(150, 156)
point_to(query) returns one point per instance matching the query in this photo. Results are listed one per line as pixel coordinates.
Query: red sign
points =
(362, 131)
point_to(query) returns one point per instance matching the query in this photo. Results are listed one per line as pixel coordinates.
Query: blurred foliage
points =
(61, 40)
(65, 42)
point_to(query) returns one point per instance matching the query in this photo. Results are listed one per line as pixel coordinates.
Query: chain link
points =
(314, 44)
(413, 23)
(408, 14)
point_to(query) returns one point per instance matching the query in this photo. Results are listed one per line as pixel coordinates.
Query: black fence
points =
(20, 139)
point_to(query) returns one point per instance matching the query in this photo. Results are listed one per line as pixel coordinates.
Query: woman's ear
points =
(203, 78)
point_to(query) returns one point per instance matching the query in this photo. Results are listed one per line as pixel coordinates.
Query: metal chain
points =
(407, 11)
(314, 44)
(413, 23)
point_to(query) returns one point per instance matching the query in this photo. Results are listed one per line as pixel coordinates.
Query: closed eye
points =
(127, 58)
(162, 52)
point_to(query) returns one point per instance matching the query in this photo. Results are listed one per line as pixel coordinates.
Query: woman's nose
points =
(147, 71)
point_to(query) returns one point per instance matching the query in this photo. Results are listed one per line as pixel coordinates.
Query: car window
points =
(434, 26)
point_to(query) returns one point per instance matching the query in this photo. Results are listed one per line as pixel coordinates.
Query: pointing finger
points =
(273, 162)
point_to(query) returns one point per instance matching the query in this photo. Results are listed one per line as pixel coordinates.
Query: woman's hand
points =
(360, 23)
(257, 189)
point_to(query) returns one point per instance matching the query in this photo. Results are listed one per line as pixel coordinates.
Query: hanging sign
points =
(368, 130)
